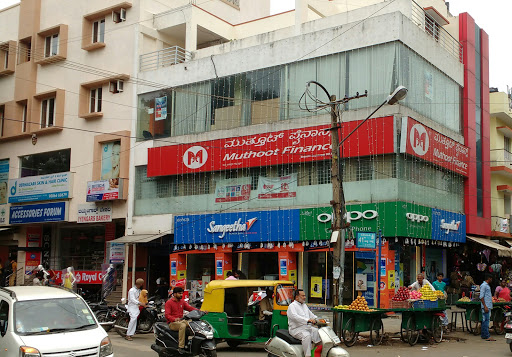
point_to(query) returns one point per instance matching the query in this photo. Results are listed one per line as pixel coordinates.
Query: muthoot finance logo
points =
(419, 139)
(195, 157)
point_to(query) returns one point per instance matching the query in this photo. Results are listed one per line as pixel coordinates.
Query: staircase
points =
(115, 298)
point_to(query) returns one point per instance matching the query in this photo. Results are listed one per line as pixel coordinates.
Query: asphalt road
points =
(467, 346)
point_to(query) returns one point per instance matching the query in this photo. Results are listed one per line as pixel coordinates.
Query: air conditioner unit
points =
(116, 18)
(120, 85)
(122, 14)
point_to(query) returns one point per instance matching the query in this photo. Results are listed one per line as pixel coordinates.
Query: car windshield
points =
(284, 295)
(48, 316)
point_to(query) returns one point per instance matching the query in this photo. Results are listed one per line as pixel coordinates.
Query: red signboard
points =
(421, 141)
(83, 277)
(376, 136)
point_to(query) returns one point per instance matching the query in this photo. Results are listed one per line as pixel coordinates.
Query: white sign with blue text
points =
(41, 188)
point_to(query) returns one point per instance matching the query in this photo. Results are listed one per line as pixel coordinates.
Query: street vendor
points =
(420, 282)
(503, 291)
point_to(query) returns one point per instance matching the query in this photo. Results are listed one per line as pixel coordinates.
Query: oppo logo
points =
(195, 157)
(351, 216)
(417, 217)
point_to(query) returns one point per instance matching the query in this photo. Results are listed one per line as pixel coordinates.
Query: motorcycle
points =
(508, 328)
(283, 344)
(201, 344)
(147, 318)
(107, 317)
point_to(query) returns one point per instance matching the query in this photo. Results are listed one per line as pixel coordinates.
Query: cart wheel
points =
(437, 329)
(499, 326)
(349, 334)
(403, 334)
(376, 331)
(412, 333)
(474, 323)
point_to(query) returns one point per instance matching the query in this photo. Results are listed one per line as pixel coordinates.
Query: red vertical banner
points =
(287, 266)
(34, 236)
(177, 268)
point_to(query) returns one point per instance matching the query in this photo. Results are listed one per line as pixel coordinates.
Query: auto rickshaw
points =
(233, 309)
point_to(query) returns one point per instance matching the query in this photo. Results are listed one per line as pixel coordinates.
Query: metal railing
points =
(163, 58)
(436, 31)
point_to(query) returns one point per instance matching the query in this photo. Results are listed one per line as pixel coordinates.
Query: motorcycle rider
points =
(301, 321)
(174, 315)
(133, 307)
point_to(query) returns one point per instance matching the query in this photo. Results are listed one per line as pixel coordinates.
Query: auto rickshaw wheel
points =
(233, 343)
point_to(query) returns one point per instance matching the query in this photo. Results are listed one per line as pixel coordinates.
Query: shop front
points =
(260, 244)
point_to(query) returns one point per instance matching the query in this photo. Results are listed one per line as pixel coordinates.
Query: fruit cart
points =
(354, 321)
(474, 316)
(416, 320)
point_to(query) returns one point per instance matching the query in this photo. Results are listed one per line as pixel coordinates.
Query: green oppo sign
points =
(395, 219)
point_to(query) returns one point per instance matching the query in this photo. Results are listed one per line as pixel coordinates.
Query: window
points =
(119, 16)
(47, 113)
(506, 204)
(116, 86)
(4, 54)
(24, 50)
(45, 163)
(323, 169)
(364, 169)
(4, 311)
(506, 148)
(2, 114)
(98, 31)
(96, 95)
(24, 118)
(51, 45)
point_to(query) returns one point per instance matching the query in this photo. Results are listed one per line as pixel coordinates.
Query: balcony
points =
(431, 22)
(163, 58)
(501, 162)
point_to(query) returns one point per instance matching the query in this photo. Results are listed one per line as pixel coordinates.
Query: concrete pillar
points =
(191, 36)
(301, 14)
(125, 271)
(134, 259)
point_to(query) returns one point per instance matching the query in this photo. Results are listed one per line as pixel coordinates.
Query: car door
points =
(7, 339)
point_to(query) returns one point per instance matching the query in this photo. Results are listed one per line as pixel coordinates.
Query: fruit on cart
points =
(464, 299)
(439, 294)
(427, 293)
(402, 294)
(494, 299)
(501, 300)
(359, 304)
(415, 294)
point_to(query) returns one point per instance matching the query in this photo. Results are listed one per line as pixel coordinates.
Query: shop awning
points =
(139, 238)
(509, 242)
(502, 251)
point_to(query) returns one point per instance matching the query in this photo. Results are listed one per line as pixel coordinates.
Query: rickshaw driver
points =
(174, 315)
(299, 318)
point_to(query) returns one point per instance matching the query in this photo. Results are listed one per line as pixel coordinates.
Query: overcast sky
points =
(491, 15)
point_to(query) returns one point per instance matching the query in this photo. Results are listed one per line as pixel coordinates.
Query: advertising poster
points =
(104, 190)
(173, 267)
(41, 188)
(382, 267)
(47, 212)
(110, 160)
(316, 287)
(277, 187)
(4, 178)
(366, 240)
(233, 190)
(161, 108)
(283, 268)
(219, 267)
(391, 279)
(361, 282)
(116, 252)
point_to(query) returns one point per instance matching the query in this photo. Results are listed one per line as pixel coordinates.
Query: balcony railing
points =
(501, 157)
(434, 29)
(163, 58)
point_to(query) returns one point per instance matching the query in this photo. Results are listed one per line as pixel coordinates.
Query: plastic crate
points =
(400, 304)
(418, 304)
(430, 304)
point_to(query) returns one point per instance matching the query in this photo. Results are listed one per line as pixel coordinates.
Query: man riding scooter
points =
(301, 323)
(174, 315)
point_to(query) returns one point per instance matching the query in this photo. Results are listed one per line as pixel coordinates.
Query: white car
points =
(38, 321)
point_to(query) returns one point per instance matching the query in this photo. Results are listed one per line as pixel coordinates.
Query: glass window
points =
(42, 316)
(82, 248)
(2, 120)
(284, 295)
(47, 112)
(4, 312)
(96, 98)
(45, 163)
(51, 47)
(98, 31)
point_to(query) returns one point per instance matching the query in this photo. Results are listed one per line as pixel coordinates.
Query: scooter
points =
(283, 344)
(145, 321)
(508, 329)
(201, 343)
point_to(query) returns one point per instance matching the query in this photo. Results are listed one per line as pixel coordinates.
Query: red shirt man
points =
(174, 314)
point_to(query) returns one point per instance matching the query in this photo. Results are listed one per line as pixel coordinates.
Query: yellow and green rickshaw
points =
(233, 309)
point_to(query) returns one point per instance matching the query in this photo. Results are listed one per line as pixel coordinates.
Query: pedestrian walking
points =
(486, 304)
